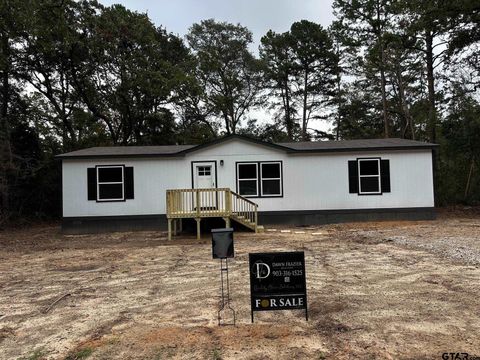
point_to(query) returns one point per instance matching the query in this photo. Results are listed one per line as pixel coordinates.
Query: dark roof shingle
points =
(362, 144)
(291, 147)
(116, 151)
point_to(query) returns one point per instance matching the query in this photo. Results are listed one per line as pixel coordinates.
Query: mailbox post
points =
(222, 248)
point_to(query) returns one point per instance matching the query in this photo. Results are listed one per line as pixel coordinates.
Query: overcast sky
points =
(257, 15)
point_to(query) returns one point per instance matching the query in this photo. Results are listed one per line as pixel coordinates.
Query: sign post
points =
(222, 248)
(278, 282)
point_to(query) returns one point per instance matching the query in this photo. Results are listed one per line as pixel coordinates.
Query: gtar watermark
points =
(459, 356)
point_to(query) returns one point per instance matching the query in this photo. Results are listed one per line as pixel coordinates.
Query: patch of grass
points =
(321, 356)
(161, 354)
(80, 354)
(113, 340)
(37, 354)
(158, 355)
(217, 355)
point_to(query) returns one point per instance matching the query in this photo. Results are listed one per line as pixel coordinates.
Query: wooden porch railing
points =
(245, 208)
(203, 203)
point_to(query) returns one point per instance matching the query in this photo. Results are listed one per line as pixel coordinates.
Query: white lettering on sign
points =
(279, 302)
(263, 270)
(290, 302)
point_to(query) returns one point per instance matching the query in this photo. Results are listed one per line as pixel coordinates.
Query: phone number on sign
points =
(287, 273)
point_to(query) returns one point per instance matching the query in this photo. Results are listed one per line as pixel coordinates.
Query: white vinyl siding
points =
(310, 181)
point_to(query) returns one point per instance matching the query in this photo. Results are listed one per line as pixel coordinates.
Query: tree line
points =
(76, 74)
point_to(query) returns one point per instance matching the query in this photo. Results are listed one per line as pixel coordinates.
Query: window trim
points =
(378, 176)
(259, 180)
(280, 179)
(237, 167)
(97, 167)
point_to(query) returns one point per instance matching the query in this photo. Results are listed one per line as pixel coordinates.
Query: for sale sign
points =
(277, 281)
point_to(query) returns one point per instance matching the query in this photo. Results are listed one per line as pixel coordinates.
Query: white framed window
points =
(247, 179)
(369, 178)
(271, 178)
(110, 183)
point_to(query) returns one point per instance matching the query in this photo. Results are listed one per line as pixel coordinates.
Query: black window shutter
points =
(385, 175)
(129, 183)
(92, 184)
(353, 176)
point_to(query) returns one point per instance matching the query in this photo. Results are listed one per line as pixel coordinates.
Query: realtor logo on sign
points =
(277, 281)
(261, 270)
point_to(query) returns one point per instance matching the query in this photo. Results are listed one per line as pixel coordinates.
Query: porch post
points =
(198, 202)
(227, 221)
(228, 202)
(198, 228)
(169, 229)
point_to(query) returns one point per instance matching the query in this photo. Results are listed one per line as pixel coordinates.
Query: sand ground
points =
(386, 290)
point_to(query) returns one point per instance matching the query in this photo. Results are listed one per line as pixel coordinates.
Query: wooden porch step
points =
(249, 224)
(208, 203)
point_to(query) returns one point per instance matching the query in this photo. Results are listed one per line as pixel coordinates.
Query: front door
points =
(204, 175)
(204, 178)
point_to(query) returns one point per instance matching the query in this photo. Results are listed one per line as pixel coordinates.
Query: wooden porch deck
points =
(206, 203)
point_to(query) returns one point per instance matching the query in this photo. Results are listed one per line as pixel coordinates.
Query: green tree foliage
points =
(402, 69)
(264, 132)
(365, 23)
(13, 24)
(126, 71)
(276, 51)
(301, 68)
(317, 66)
(459, 166)
(228, 75)
(358, 118)
(426, 22)
(44, 64)
(464, 45)
(77, 74)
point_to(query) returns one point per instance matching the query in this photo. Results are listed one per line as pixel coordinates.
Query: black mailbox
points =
(222, 243)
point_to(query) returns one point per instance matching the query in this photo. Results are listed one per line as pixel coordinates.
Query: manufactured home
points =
(246, 181)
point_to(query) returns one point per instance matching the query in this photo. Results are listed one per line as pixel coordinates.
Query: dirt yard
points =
(389, 290)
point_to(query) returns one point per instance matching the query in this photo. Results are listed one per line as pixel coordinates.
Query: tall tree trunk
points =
(233, 121)
(432, 116)
(337, 130)
(386, 124)
(404, 105)
(304, 117)
(470, 173)
(288, 119)
(227, 122)
(383, 83)
(6, 164)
